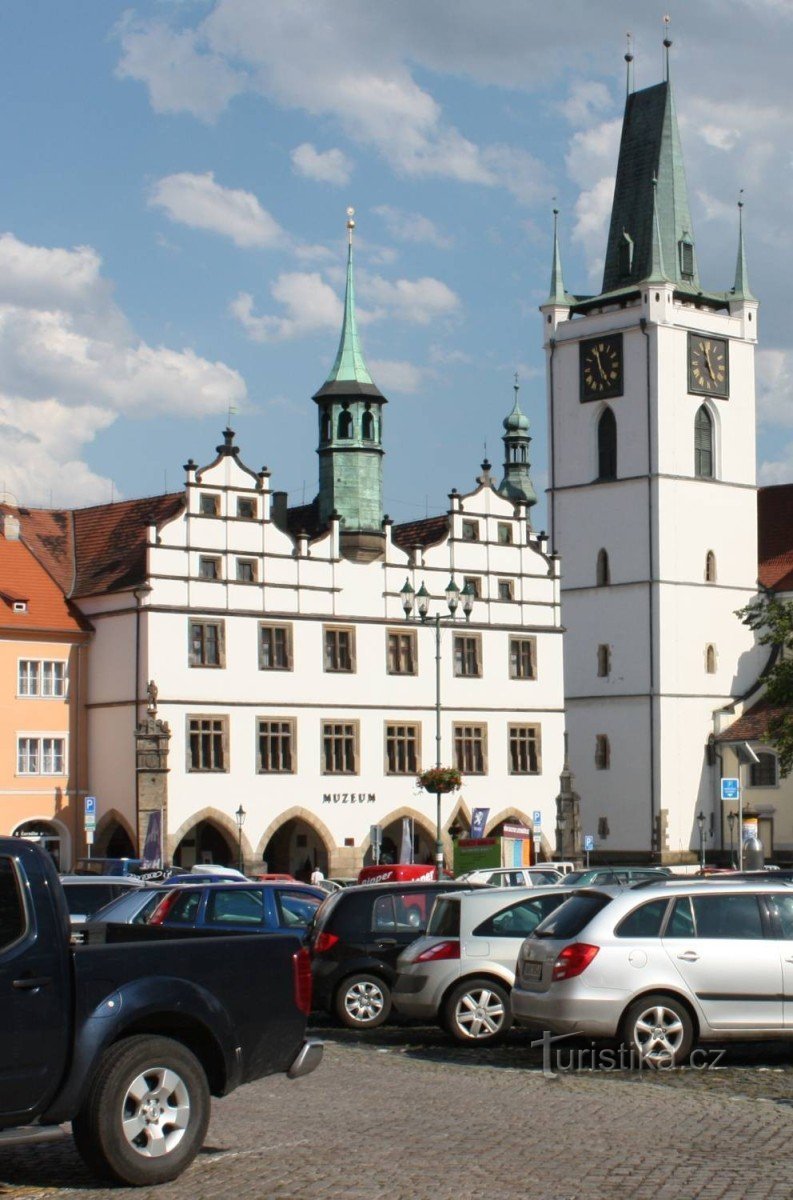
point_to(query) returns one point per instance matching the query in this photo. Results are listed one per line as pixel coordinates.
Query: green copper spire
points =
(650, 223)
(349, 366)
(557, 294)
(741, 289)
(516, 484)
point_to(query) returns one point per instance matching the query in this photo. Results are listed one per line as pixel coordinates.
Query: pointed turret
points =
(657, 274)
(516, 484)
(741, 289)
(557, 294)
(350, 439)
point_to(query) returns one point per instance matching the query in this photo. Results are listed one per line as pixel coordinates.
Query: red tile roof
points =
(775, 537)
(752, 725)
(23, 578)
(420, 533)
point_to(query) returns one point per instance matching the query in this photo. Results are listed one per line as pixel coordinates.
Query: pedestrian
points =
(316, 875)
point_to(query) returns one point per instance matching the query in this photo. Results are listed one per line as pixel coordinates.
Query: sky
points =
(176, 175)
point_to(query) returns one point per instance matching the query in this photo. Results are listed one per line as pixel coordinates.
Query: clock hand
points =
(708, 363)
(596, 354)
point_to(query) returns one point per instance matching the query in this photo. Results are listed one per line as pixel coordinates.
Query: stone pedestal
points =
(569, 841)
(151, 763)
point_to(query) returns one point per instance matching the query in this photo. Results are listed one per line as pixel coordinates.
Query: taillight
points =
(324, 941)
(301, 970)
(162, 909)
(573, 960)
(441, 950)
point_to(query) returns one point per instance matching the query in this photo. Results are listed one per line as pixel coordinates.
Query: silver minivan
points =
(662, 966)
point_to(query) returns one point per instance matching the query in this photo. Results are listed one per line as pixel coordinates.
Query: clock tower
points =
(652, 504)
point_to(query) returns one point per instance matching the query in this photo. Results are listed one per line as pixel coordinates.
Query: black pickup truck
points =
(127, 1038)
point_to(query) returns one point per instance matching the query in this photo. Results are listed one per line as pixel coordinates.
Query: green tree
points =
(772, 621)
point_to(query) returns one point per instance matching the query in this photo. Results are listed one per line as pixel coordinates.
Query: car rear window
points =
(520, 919)
(88, 898)
(571, 917)
(445, 918)
(297, 908)
(645, 921)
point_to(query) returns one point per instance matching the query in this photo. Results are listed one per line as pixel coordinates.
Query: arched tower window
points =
(603, 573)
(367, 426)
(626, 253)
(686, 249)
(703, 444)
(710, 660)
(324, 429)
(607, 446)
(345, 424)
(710, 567)
(602, 752)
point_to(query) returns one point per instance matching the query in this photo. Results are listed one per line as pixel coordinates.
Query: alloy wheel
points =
(155, 1112)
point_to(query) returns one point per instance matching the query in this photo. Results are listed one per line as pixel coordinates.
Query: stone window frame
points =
(602, 752)
(341, 730)
(531, 735)
(508, 586)
(711, 659)
(198, 660)
(208, 504)
(468, 738)
(514, 671)
(412, 639)
(711, 570)
(288, 732)
(504, 528)
(249, 516)
(241, 564)
(204, 560)
(287, 628)
(474, 582)
(474, 639)
(469, 530)
(754, 769)
(222, 721)
(409, 734)
(328, 658)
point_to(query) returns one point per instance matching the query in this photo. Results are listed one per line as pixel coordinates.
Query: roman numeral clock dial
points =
(600, 367)
(708, 366)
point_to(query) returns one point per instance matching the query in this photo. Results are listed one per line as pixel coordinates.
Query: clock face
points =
(708, 366)
(601, 367)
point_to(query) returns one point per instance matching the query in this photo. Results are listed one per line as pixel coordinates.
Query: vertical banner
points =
(479, 821)
(152, 847)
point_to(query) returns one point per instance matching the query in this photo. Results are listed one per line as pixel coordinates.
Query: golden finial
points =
(350, 223)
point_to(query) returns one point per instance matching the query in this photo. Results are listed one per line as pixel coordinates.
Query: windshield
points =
(571, 917)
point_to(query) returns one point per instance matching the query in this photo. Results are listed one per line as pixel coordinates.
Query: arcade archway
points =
(296, 848)
(52, 836)
(206, 842)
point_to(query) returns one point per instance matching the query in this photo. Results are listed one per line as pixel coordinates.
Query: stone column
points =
(151, 763)
(568, 816)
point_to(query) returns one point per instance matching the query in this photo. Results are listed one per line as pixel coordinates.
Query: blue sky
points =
(176, 179)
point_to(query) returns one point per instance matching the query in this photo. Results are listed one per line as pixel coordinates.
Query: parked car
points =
(355, 940)
(128, 1041)
(663, 966)
(512, 876)
(135, 905)
(461, 973)
(616, 876)
(87, 893)
(243, 906)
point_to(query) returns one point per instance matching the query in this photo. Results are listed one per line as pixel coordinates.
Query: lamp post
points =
(240, 815)
(422, 601)
(701, 824)
(731, 819)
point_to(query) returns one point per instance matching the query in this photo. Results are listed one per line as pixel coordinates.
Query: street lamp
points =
(240, 815)
(701, 824)
(731, 819)
(422, 600)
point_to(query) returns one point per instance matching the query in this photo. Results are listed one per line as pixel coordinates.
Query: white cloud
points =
(774, 369)
(201, 203)
(587, 102)
(411, 227)
(310, 306)
(70, 364)
(398, 376)
(417, 301)
(328, 166)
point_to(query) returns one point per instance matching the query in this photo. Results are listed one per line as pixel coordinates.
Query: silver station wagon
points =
(662, 966)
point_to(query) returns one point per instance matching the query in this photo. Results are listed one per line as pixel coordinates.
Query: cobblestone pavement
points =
(400, 1113)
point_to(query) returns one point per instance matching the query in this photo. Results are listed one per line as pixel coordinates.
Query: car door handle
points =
(689, 956)
(384, 942)
(35, 981)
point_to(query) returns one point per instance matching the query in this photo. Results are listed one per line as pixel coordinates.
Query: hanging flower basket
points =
(440, 780)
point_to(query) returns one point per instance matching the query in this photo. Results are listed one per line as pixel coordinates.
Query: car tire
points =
(363, 1001)
(659, 1029)
(477, 1010)
(146, 1113)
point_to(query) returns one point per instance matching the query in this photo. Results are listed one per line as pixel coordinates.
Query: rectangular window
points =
(524, 749)
(401, 652)
(275, 647)
(207, 640)
(474, 584)
(41, 756)
(247, 570)
(340, 747)
(207, 748)
(506, 589)
(467, 654)
(764, 772)
(208, 568)
(276, 746)
(209, 505)
(246, 508)
(504, 533)
(604, 661)
(523, 658)
(41, 678)
(339, 649)
(402, 749)
(470, 531)
(470, 749)
(602, 752)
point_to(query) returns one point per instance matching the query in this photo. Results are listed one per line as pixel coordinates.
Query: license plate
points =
(532, 970)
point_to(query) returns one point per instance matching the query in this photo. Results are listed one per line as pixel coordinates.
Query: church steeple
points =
(557, 294)
(350, 438)
(741, 289)
(516, 484)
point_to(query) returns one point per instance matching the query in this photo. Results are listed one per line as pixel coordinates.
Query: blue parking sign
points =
(537, 818)
(730, 789)
(589, 841)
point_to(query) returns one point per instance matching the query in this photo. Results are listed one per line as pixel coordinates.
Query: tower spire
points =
(741, 289)
(629, 65)
(349, 365)
(516, 484)
(557, 294)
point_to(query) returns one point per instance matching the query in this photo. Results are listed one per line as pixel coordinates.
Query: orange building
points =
(43, 648)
